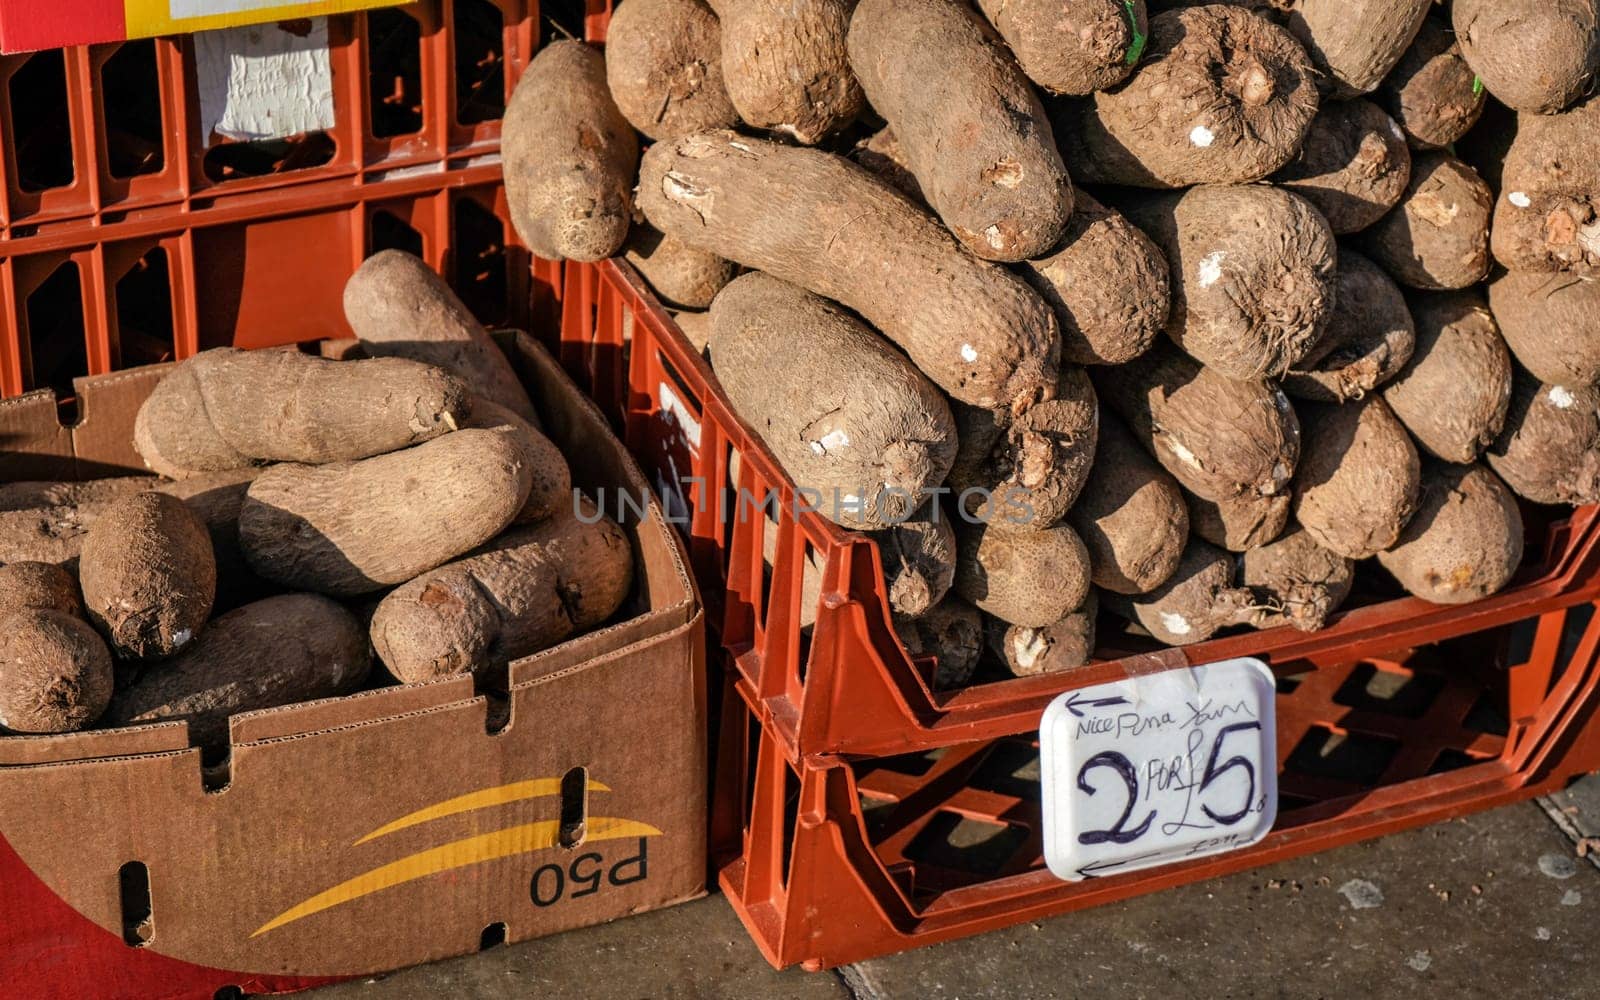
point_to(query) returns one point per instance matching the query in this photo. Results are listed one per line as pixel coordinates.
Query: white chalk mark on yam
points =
(1175, 623)
(1561, 397)
(1211, 268)
(1201, 136)
(1519, 199)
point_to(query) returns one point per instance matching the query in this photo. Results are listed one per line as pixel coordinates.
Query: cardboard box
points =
(354, 835)
(30, 25)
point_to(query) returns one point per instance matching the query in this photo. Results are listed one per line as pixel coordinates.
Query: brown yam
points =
(1548, 215)
(1026, 472)
(354, 527)
(880, 153)
(1437, 237)
(528, 590)
(1302, 582)
(38, 585)
(1432, 92)
(1356, 42)
(696, 329)
(1536, 56)
(226, 409)
(1239, 523)
(1452, 395)
(1358, 478)
(1071, 46)
(570, 157)
(664, 67)
(1218, 436)
(277, 651)
(952, 632)
(1549, 321)
(1222, 96)
(786, 66)
(149, 575)
(1195, 602)
(853, 423)
(679, 274)
(1353, 167)
(1465, 541)
(1107, 283)
(26, 494)
(1131, 516)
(919, 562)
(1253, 275)
(1370, 337)
(1022, 577)
(1549, 451)
(935, 71)
(55, 672)
(399, 307)
(551, 491)
(825, 224)
(1052, 649)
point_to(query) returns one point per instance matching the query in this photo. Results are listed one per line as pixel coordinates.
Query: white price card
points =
(1159, 768)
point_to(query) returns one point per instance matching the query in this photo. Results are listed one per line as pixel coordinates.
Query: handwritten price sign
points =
(1162, 768)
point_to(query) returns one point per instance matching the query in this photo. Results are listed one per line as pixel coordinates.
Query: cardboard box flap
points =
(102, 439)
(33, 442)
(332, 713)
(161, 737)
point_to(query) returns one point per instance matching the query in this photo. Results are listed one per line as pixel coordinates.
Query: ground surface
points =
(1495, 905)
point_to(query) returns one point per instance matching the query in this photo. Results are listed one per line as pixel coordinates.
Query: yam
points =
(1107, 283)
(696, 329)
(354, 527)
(1358, 478)
(1194, 604)
(881, 154)
(1549, 450)
(1353, 167)
(821, 222)
(55, 672)
(1131, 516)
(1536, 56)
(786, 65)
(399, 307)
(1252, 270)
(26, 494)
(1437, 237)
(278, 651)
(1432, 93)
(1222, 96)
(1022, 577)
(1370, 337)
(1219, 437)
(952, 633)
(1239, 523)
(1549, 323)
(149, 575)
(853, 423)
(1356, 42)
(1465, 541)
(38, 586)
(569, 157)
(678, 273)
(1302, 582)
(1052, 649)
(664, 67)
(972, 130)
(1072, 46)
(919, 562)
(528, 590)
(550, 492)
(1453, 393)
(1547, 217)
(1026, 472)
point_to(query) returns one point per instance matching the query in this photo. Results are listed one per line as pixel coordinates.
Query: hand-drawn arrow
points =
(1074, 705)
(1094, 868)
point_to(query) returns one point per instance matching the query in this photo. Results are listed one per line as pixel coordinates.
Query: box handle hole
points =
(138, 924)
(574, 806)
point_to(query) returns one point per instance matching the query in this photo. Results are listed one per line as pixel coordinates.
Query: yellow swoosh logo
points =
(484, 799)
(505, 843)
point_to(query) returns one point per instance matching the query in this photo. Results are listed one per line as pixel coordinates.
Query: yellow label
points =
(145, 18)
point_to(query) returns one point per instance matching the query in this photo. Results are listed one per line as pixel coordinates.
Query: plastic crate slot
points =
(263, 157)
(130, 94)
(1488, 715)
(574, 807)
(1347, 757)
(493, 936)
(394, 73)
(1286, 683)
(560, 19)
(1390, 690)
(57, 349)
(791, 814)
(138, 922)
(480, 77)
(387, 231)
(41, 125)
(143, 296)
(1012, 768)
(965, 849)
(1452, 760)
(1573, 632)
(478, 241)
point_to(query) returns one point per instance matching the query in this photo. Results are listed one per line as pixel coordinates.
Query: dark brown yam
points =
(277, 651)
(679, 274)
(1548, 215)
(849, 418)
(1536, 56)
(550, 494)
(919, 562)
(1070, 46)
(149, 575)
(664, 67)
(1465, 541)
(1549, 451)
(1370, 337)
(952, 632)
(1356, 42)
(1052, 649)
(1022, 577)
(38, 586)
(1357, 483)
(1239, 523)
(1551, 323)
(1195, 602)
(1353, 167)
(1252, 271)
(823, 223)
(1219, 437)
(570, 157)
(1026, 472)
(399, 307)
(1432, 92)
(971, 127)
(786, 67)
(1301, 580)
(1437, 237)
(1107, 283)
(55, 672)
(1453, 393)
(1131, 515)
(1222, 96)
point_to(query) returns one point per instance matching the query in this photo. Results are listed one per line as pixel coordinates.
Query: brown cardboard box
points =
(354, 835)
